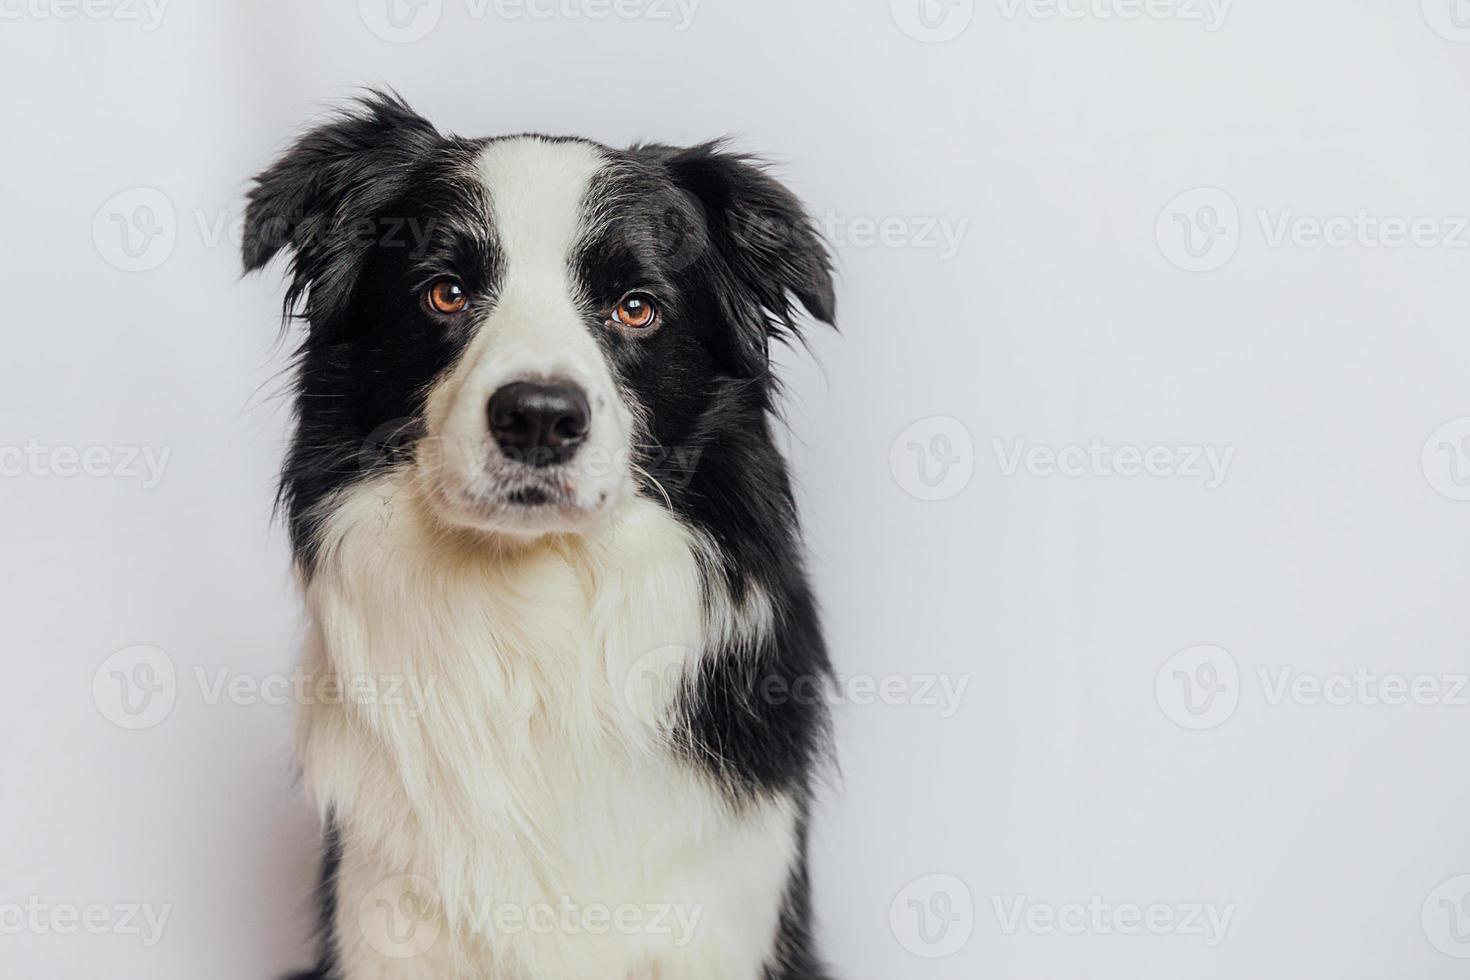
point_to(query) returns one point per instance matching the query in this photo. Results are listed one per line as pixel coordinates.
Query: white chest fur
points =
(523, 816)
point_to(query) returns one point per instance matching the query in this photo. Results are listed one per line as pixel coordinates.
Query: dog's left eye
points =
(446, 295)
(636, 310)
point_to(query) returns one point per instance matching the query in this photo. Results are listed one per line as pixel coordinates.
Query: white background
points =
(1057, 148)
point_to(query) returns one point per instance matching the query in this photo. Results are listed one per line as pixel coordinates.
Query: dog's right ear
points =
(765, 254)
(315, 197)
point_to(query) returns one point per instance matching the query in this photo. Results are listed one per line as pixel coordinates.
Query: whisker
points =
(651, 479)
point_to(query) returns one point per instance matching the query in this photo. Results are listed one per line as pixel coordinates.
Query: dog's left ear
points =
(763, 248)
(320, 200)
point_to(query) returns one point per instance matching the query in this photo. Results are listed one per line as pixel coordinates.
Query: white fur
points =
(539, 769)
(541, 774)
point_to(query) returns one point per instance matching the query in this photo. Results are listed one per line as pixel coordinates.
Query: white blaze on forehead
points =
(537, 326)
(537, 189)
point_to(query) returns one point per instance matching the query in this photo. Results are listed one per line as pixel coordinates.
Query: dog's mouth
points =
(532, 496)
(520, 502)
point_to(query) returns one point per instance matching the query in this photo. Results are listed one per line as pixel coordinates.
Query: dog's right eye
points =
(636, 310)
(446, 295)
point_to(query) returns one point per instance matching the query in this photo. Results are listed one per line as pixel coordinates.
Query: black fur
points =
(376, 203)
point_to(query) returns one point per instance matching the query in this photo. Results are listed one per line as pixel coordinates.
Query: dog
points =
(533, 472)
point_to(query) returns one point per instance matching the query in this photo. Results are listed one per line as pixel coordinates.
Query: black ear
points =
(316, 198)
(764, 247)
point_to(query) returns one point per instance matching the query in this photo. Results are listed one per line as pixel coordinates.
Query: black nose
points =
(539, 423)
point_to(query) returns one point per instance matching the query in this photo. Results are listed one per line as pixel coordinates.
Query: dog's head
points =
(539, 328)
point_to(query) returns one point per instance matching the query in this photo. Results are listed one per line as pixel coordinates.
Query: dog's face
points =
(538, 328)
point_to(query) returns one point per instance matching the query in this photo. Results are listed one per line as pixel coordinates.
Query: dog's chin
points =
(524, 507)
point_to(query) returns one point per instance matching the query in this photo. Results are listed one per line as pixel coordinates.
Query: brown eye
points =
(636, 311)
(446, 296)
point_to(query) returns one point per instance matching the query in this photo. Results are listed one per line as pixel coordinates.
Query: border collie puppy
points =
(533, 476)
